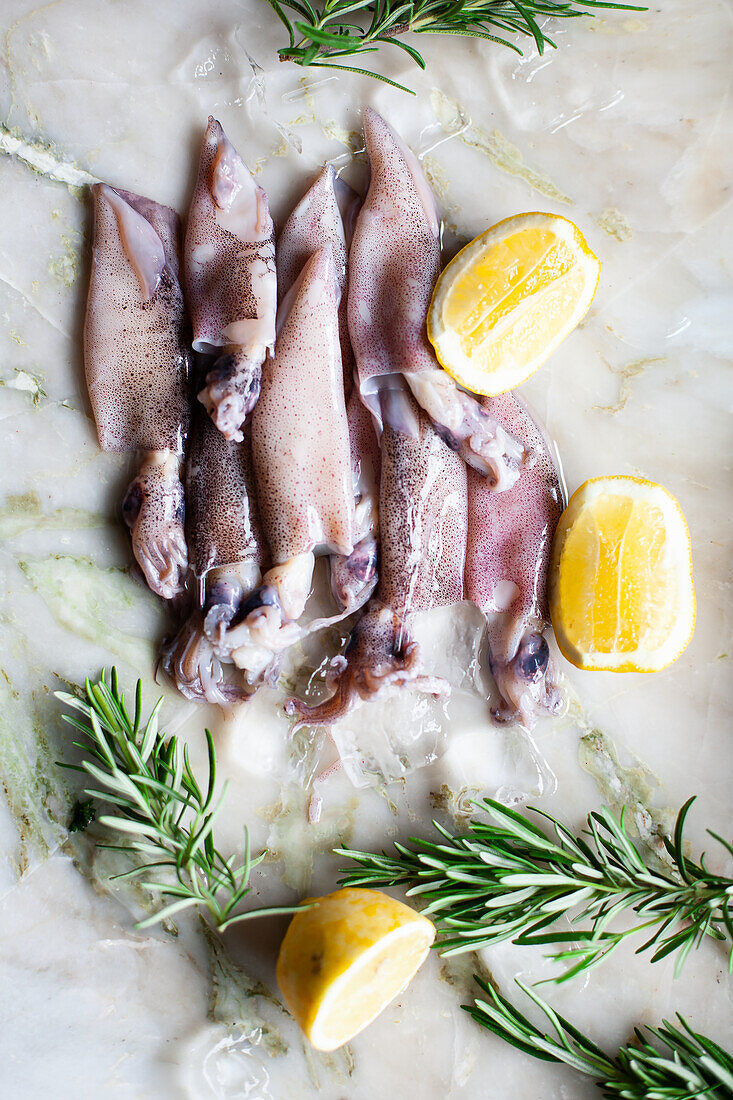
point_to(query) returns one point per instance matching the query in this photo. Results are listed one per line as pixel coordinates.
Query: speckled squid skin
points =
(509, 542)
(317, 222)
(354, 575)
(227, 550)
(222, 518)
(231, 285)
(300, 438)
(423, 520)
(314, 223)
(422, 508)
(135, 332)
(137, 367)
(302, 462)
(394, 262)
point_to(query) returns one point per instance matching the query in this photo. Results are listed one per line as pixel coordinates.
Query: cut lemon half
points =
(621, 592)
(504, 303)
(345, 959)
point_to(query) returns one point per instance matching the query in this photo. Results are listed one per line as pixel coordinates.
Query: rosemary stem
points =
(146, 776)
(505, 879)
(327, 36)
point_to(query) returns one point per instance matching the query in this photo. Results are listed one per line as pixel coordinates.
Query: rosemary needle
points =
(325, 34)
(508, 879)
(671, 1062)
(161, 810)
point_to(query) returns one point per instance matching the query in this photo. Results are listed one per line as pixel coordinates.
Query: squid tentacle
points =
(354, 578)
(231, 391)
(153, 509)
(469, 429)
(263, 623)
(423, 521)
(191, 662)
(528, 684)
(380, 653)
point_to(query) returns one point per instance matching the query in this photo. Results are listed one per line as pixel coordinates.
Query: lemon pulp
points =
(506, 301)
(622, 595)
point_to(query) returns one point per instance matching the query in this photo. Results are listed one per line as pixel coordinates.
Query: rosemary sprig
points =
(671, 1062)
(324, 34)
(165, 816)
(507, 879)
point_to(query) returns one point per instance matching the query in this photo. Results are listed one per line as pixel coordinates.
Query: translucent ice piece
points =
(390, 737)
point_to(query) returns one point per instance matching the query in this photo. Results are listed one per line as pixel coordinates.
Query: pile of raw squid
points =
(266, 434)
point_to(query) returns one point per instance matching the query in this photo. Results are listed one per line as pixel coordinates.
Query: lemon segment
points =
(622, 597)
(344, 960)
(504, 303)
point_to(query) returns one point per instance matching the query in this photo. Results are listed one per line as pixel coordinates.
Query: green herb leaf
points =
(673, 1062)
(146, 776)
(507, 879)
(82, 816)
(325, 34)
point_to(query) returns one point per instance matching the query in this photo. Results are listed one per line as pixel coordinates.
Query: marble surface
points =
(626, 129)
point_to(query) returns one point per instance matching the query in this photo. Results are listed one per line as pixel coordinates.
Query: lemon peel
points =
(345, 958)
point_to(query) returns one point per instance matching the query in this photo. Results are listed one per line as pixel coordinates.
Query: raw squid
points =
(354, 576)
(323, 218)
(509, 541)
(227, 551)
(394, 262)
(230, 280)
(422, 504)
(300, 445)
(137, 366)
(318, 222)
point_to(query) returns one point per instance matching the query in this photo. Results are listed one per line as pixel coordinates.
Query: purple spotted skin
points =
(509, 542)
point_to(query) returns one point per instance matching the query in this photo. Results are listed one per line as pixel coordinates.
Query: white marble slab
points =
(626, 129)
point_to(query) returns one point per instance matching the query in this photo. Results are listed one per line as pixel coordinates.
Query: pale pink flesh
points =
(137, 366)
(230, 278)
(300, 436)
(394, 263)
(507, 561)
(315, 223)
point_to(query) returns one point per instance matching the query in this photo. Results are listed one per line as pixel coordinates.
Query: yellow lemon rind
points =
(446, 343)
(679, 639)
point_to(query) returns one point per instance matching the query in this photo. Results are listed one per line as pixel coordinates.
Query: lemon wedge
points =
(344, 960)
(622, 597)
(505, 302)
